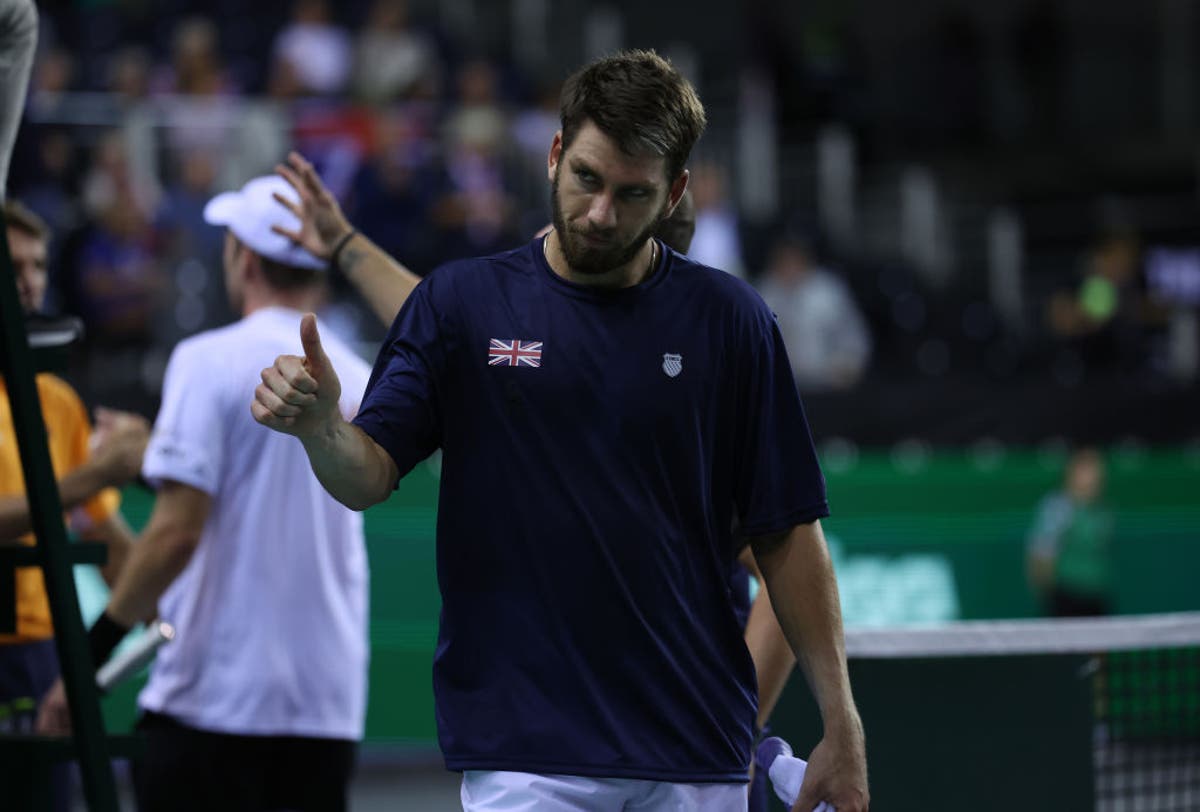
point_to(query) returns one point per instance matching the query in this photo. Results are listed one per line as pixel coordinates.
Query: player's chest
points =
(618, 358)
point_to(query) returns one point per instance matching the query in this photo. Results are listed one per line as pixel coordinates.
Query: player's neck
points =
(634, 272)
(305, 300)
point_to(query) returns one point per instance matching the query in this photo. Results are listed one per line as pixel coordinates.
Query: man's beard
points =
(586, 259)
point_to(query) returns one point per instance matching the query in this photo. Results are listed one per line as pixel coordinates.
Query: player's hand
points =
(836, 774)
(299, 395)
(322, 223)
(54, 717)
(119, 443)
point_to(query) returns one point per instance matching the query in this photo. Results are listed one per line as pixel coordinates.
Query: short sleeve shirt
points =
(68, 435)
(597, 446)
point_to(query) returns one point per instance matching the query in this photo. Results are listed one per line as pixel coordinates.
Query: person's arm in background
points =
(381, 280)
(769, 649)
(116, 534)
(799, 576)
(165, 548)
(1054, 514)
(116, 460)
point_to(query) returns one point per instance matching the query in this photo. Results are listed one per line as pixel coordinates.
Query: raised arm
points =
(799, 577)
(299, 396)
(324, 230)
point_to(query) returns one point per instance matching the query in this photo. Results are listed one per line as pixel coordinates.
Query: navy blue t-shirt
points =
(595, 447)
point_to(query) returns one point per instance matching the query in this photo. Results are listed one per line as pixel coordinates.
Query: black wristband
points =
(337, 249)
(104, 636)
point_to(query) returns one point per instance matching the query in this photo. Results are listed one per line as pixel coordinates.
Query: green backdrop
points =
(963, 513)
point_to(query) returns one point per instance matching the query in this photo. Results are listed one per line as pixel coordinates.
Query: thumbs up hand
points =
(299, 395)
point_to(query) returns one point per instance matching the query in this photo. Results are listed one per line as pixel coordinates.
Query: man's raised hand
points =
(322, 224)
(299, 395)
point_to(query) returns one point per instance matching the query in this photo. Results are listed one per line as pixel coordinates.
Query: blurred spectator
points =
(478, 214)
(117, 278)
(392, 58)
(477, 120)
(1070, 544)
(1107, 317)
(111, 175)
(393, 191)
(532, 128)
(202, 113)
(717, 242)
(203, 109)
(318, 50)
(196, 68)
(183, 205)
(53, 75)
(826, 336)
(48, 192)
(113, 278)
(128, 75)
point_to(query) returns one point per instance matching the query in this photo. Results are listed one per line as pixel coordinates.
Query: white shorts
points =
(497, 791)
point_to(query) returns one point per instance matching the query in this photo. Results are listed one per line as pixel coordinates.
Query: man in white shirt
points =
(827, 338)
(259, 700)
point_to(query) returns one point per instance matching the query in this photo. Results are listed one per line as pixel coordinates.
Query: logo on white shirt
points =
(672, 364)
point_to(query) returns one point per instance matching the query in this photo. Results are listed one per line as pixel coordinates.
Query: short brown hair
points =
(19, 216)
(638, 99)
(288, 277)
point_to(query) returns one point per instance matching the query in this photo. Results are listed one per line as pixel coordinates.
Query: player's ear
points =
(678, 187)
(556, 148)
(249, 265)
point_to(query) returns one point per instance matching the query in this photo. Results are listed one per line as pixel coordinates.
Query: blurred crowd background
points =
(977, 222)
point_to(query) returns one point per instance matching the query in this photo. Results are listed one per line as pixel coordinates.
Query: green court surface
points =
(918, 536)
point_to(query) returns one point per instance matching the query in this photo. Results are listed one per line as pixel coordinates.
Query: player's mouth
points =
(596, 240)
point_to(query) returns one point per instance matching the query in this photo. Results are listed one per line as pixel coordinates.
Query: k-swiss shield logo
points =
(672, 364)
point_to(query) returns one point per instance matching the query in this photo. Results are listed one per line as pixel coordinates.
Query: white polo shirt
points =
(271, 613)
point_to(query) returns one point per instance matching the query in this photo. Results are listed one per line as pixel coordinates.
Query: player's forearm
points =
(799, 576)
(383, 281)
(350, 465)
(73, 490)
(153, 564)
(117, 536)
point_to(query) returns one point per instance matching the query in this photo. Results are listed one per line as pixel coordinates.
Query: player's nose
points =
(602, 214)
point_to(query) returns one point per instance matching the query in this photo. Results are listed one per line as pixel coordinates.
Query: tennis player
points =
(259, 701)
(385, 283)
(605, 407)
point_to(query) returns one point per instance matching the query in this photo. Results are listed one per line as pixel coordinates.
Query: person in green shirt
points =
(1070, 544)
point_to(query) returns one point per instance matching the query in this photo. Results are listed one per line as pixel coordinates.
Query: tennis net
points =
(1077, 714)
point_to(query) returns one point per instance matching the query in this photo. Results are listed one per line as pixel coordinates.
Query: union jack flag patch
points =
(514, 353)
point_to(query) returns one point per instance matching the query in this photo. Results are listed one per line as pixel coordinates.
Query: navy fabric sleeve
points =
(778, 480)
(401, 408)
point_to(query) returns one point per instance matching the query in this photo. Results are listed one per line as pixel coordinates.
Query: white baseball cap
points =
(251, 211)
